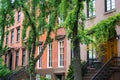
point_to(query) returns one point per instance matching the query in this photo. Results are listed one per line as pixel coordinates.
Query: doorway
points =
(60, 77)
(10, 61)
(110, 49)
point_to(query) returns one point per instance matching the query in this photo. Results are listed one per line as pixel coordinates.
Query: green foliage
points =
(71, 71)
(105, 29)
(43, 78)
(3, 70)
(6, 19)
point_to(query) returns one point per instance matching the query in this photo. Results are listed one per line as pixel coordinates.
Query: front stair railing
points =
(17, 74)
(107, 69)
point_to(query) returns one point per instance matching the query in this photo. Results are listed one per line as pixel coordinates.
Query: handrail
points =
(103, 67)
(24, 68)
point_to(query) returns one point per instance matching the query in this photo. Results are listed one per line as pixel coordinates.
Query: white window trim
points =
(60, 20)
(110, 6)
(59, 53)
(48, 55)
(48, 76)
(40, 58)
(48, 18)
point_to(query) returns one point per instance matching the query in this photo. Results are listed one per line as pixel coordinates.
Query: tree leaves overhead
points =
(6, 19)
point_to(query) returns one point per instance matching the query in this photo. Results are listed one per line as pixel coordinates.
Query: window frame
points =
(23, 57)
(111, 6)
(49, 56)
(12, 36)
(18, 34)
(7, 38)
(93, 13)
(60, 62)
(19, 16)
(39, 63)
(17, 58)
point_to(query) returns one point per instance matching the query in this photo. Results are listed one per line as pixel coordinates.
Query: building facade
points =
(56, 58)
(101, 10)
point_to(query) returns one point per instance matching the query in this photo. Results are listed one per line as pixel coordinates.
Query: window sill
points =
(92, 17)
(39, 67)
(49, 67)
(60, 66)
(110, 11)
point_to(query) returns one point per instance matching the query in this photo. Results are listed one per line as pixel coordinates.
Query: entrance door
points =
(110, 49)
(10, 61)
(59, 77)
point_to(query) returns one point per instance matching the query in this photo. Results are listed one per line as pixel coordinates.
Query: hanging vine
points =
(105, 29)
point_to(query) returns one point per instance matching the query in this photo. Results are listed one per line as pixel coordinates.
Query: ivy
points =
(105, 29)
(3, 70)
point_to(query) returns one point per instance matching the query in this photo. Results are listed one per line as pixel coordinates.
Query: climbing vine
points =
(105, 29)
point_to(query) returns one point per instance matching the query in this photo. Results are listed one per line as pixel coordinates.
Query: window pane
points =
(12, 36)
(23, 57)
(61, 53)
(91, 8)
(17, 56)
(110, 4)
(49, 55)
(18, 34)
(40, 59)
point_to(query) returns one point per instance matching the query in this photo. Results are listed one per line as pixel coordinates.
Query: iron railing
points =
(18, 73)
(105, 71)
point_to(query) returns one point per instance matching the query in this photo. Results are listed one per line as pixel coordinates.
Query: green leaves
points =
(3, 70)
(105, 29)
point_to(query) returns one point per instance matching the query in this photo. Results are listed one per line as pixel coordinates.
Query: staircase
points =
(17, 74)
(90, 73)
(113, 65)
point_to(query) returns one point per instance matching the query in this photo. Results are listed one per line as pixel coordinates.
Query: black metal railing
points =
(16, 74)
(105, 71)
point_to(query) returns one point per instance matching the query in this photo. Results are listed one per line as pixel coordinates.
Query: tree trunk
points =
(3, 33)
(76, 49)
(32, 53)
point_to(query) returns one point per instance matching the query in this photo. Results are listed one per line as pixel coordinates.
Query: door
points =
(10, 61)
(59, 77)
(110, 49)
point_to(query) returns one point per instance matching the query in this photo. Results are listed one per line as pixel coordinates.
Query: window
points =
(61, 53)
(5, 58)
(19, 15)
(91, 54)
(23, 57)
(18, 34)
(60, 20)
(40, 60)
(71, 50)
(6, 39)
(37, 77)
(49, 55)
(48, 76)
(90, 8)
(109, 5)
(12, 1)
(12, 36)
(48, 18)
(17, 56)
